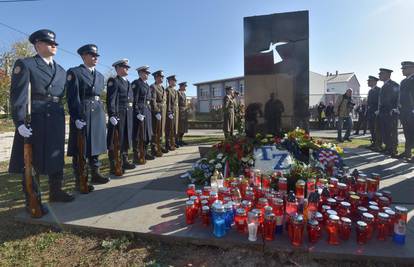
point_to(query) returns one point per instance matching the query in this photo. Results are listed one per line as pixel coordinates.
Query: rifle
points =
(141, 142)
(116, 150)
(172, 135)
(34, 202)
(83, 176)
(158, 128)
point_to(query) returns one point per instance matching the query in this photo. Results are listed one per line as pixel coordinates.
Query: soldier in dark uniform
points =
(228, 112)
(84, 86)
(46, 133)
(158, 112)
(273, 115)
(372, 108)
(120, 112)
(388, 111)
(182, 114)
(170, 130)
(142, 115)
(407, 108)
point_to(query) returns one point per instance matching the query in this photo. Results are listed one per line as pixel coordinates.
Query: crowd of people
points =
(140, 113)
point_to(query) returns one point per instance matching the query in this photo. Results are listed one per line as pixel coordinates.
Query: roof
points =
(221, 80)
(341, 77)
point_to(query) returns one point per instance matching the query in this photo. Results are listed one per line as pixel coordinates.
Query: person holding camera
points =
(344, 106)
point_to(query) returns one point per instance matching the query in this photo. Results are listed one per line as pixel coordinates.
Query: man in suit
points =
(142, 112)
(407, 108)
(228, 112)
(388, 111)
(372, 117)
(119, 103)
(84, 85)
(170, 129)
(44, 79)
(158, 112)
(182, 113)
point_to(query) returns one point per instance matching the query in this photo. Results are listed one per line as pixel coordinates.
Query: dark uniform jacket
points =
(48, 115)
(182, 113)
(372, 101)
(83, 90)
(388, 99)
(142, 102)
(119, 103)
(407, 97)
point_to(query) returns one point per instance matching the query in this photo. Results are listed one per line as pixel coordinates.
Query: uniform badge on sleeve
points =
(69, 77)
(17, 70)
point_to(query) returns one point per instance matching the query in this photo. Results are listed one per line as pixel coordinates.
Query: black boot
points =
(126, 165)
(56, 194)
(97, 177)
(111, 167)
(135, 159)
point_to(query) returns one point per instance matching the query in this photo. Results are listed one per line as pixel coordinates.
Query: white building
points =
(321, 88)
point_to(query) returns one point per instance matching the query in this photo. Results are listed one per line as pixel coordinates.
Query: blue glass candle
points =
(219, 228)
(229, 218)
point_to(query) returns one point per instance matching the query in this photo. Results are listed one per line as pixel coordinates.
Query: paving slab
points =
(149, 201)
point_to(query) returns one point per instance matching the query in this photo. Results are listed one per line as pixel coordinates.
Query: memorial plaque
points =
(276, 71)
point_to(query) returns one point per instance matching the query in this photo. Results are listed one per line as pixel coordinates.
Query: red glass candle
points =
(332, 228)
(213, 197)
(344, 209)
(197, 205)
(190, 190)
(243, 187)
(300, 189)
(332, 190)
(311, 209)
(387, 194)
(297, 230)
(205, 215)
(342, 191)
(371, 187)
(240, 220)
(206, 190)
(282, 185)
(246, 205)
(310, 185)
(313, 230)
(391, 221)
(291, 203)
(327, 214)
(319, 217)
(362, 232)
(382, 226)
(322, 183)
(361, 210)
(250, 196)
(333, 203)
(383, 202)
(354, 200)
(235, 194)
(189, 212)
(266, 180)
(204, 202)
(377, 179)
(363, 196)
(345, 228)
(269, 226)
(361, 185)
(368, 218)
(262, 204)
(257, 177)
(400, 224)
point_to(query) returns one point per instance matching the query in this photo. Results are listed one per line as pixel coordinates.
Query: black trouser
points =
(55, 183)
(407, 121)
(389, 130)
(361, 124)
(371, 127)
(93, 161)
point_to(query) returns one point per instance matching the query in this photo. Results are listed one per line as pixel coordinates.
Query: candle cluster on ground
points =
(258, 205)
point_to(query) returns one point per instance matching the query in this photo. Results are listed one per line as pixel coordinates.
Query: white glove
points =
(80, 124)
(395, 111)
(113, 120)
(171, 116)
(412, 111)
(376, 112)
(140, 117)
(158, 116)
(24, 131)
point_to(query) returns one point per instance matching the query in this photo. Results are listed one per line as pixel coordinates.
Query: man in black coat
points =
(407, 107)
(372, 113)
(119, 103)
(388, 111)
(46, 80)
(84, 85)
(142, 132)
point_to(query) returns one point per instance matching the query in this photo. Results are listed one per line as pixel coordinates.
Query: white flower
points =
(244, 159)
(218, 166)
(211, 161)
(219, 155)
(251, 162)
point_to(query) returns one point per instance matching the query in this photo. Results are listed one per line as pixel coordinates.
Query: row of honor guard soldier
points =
(37, 89)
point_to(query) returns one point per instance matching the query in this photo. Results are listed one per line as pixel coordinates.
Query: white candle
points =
(252, 231)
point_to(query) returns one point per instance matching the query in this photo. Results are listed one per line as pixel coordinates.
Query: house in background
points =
(321, 88)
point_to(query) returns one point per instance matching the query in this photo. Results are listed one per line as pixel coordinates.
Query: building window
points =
(241, 89)
(203, 92)
(216, 92)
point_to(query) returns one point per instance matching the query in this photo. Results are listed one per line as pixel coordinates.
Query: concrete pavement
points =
(150, 201)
